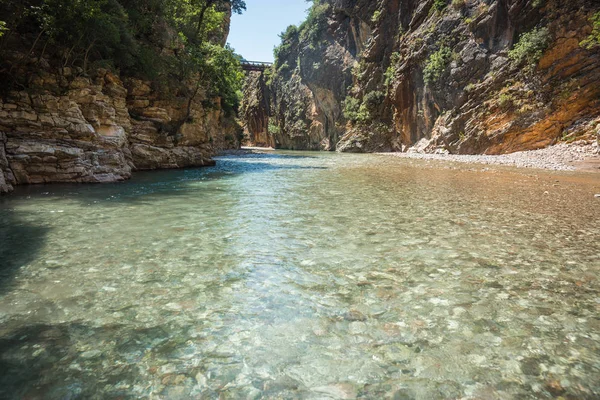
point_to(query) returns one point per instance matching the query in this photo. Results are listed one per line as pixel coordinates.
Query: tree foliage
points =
(171, 42)
(289, 39)
(308, 34)
(364, 111)
(315, 23)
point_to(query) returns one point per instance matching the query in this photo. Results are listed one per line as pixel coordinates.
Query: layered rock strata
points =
(75, 128)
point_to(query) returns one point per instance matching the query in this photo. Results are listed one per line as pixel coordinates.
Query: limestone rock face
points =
(100, 129)
(79, 135)
(6, 177)
(484, 102)
(163, 136)
(308, 89)
(480, 101)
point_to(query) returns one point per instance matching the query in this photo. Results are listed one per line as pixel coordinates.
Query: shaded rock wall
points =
(255, 110)
(312, 79)
(481, 101)
(6, 177)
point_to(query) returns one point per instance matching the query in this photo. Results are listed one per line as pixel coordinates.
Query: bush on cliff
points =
(440, 5)
(295, 39)
(357, 111)
(593, 39)
(282, 53)
(351, 108)
(316, 22)
(436, 64)
(530, 47)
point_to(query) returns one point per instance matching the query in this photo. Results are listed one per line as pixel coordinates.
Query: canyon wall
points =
(460, 76)
(74, 124)
(75, 128)
(255, 110)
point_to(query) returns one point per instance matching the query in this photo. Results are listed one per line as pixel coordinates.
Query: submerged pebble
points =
(302, 275)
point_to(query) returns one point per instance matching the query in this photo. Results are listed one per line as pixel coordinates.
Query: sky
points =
(255, 33)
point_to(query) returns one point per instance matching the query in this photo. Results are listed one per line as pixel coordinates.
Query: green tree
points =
(175, 43)
(220, 68)
(289, 39)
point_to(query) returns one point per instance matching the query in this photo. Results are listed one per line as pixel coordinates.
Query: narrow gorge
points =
(461, 77)
(401, 201)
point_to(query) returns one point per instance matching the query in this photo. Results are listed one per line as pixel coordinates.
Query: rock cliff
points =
(70, 124)
(460, 76)
(255, 110)
(99, 129)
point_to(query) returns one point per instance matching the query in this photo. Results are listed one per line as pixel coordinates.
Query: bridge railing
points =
(255, 65)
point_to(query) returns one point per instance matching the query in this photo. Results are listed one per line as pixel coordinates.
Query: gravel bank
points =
(578, 156)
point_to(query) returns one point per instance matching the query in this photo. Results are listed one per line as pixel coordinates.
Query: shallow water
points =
(304, 275)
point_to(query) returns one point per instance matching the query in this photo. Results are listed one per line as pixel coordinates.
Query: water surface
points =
(304, 275)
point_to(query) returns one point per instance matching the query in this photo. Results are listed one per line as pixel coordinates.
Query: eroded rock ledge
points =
(67, 127)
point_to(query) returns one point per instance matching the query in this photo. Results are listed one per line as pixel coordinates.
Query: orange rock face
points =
(443, 78)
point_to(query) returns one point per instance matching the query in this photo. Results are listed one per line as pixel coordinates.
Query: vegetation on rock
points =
(440, 4)
(530, 47)
(436, 64)
(289, 40)
(168, 42)
(438, 73)
(593, 39)
(309, 32)
(316, 21)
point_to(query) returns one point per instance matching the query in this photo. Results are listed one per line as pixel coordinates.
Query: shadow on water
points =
(267, 156)
(20, 244)
(146, 185)
(36, 361)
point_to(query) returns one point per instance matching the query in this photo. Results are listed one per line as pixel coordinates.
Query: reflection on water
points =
(298, 275)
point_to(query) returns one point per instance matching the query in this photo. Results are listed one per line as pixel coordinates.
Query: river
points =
(304, 275)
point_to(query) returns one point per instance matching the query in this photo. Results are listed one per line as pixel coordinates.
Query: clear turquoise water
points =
(304, 275)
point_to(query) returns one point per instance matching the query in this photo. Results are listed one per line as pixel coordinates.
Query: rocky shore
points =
(577, 156)
(580, 156)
